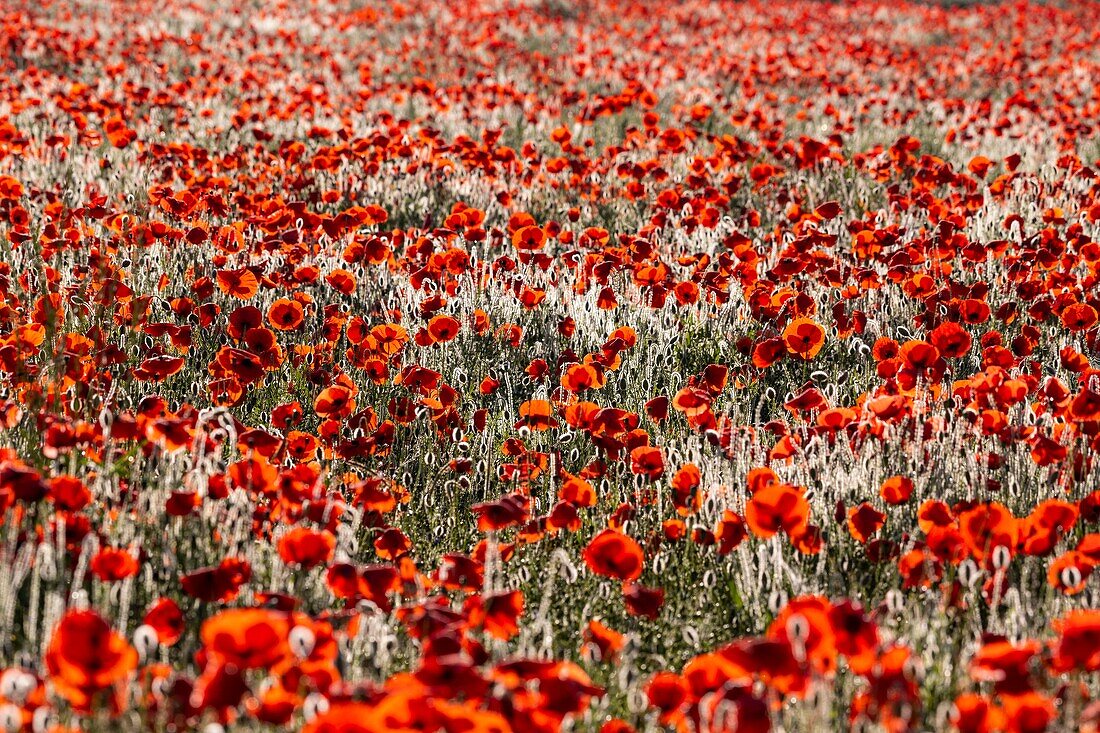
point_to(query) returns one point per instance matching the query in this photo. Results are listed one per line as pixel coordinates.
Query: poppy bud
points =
(301, 641)
(145, 641)
(798, 629)
(161, 687)
(777, 599)
(1002, 556)
(968, 573)
(315, 704)
(43, 720)
(15, 685)
(1071, 577)
(11, 718)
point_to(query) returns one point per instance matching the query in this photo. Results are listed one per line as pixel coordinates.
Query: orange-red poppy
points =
(529, 238)
(1079, 317)
(241, 284)
(803, 338)
(896, 489)
(248, 638)
(285, 314)
(336, 401)
(777, 507)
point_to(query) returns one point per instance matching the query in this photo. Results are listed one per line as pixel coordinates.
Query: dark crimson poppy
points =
(167, 619)
(509, 511)
(643, 601)
(768, 352)
(219, 583)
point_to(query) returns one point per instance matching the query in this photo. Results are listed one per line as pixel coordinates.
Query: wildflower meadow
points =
(609, 366)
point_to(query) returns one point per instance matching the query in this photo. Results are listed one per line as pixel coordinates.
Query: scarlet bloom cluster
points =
(603, 366)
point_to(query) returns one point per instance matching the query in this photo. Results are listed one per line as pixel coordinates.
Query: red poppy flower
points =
(579, 377)
(647, 461)
(529, 238)
(69, 493)
(803, 338)
(248, 638)
(668, 693)
(85, 657)
(334, 401)
(604, 639)
(306, 547)
(768, 352)
(643, 601)
(1079, 317)
(986, 527)
(896, 489)
(285, 314)
(509, 511)
(443, 328)
(537, 415)
(615, 555)
(777, 507)
(498, 613)
(1078, 643)
(240, 284)
(863, 521)
(167, 619)
(951, 339)
(219, 583)
(111, 564)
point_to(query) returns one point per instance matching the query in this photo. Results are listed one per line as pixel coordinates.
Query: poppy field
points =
(532, 365)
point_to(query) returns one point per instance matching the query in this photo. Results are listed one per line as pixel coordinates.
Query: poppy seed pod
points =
(42, 720)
